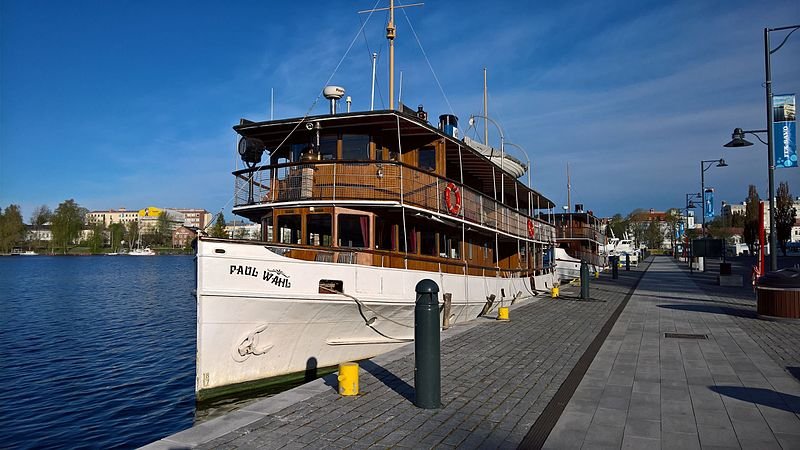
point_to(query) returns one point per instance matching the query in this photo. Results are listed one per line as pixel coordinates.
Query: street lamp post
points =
(703, 167)
(689, 205)
(739, 141)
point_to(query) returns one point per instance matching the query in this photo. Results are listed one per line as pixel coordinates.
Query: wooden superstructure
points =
(580, 234)
(388, 189)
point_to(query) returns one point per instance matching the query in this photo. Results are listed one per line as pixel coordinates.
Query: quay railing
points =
(380, 181)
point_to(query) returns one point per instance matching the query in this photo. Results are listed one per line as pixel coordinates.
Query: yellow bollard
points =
(502, 313)
(597, 274)
(348, 378)
(554, 292)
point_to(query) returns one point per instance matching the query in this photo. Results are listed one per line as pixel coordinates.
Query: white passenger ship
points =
(356, 208)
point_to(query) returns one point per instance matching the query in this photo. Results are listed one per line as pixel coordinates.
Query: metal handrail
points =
(379, 181)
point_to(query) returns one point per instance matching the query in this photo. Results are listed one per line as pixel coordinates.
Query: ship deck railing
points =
(331, 180)
(400, 260)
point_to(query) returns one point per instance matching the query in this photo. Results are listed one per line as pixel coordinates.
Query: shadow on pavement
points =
(713, 309)
(391, 380)
(760, 396)
(794, 371)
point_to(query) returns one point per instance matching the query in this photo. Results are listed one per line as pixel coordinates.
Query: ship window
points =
(289, 229)
(385, 235)
(469, 249)
(384, 154)
(410, 240)
(267, 228)
(355, 146)
(449, 247)
(327, 147)
(485, 251)
(353, 230)
(297, 151)
(331, 286)
(427, 243)
(427, 158)
(318, 230)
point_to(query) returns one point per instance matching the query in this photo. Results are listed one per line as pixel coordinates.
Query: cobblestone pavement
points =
(497, 378)
(647, 390)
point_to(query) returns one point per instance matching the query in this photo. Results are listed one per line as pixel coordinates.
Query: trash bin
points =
(779, 293)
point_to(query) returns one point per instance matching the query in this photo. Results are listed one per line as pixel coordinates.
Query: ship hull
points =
(261, 315)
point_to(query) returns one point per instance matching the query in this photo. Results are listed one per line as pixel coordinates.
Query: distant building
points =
(110, 216)
(40, 233)
(150, 216)
(183, 235)
(197, 218)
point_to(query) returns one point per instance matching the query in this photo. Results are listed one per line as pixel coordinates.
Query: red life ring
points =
(452, 198)
(531, 229)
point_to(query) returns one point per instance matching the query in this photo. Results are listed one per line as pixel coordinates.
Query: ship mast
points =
(390, 34)
(485, 109)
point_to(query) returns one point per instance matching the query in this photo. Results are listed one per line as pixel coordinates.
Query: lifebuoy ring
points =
(531, 229)
(452, 198)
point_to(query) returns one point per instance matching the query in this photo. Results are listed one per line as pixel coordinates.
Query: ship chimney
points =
(448, 123)
(333, 93)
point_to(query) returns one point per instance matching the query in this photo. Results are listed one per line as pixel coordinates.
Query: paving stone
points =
(498, 378)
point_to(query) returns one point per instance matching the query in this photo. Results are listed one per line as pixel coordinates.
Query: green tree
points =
(97, 237)
(218, 230)
(12, 229)
(638, 222)
(784, 215)
(67, 223)
(116, 231)
(751, 219)
(163, 233)
(737, 220)
(132, 234)
(40, 216)
(672, 218)
(718, 228)
(653, 235)
(617, 226)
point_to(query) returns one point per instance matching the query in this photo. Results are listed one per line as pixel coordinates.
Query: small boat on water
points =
(356, 208)
(20, 252)
(138, 251)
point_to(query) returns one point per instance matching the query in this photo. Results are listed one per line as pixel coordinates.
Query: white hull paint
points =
(569, 268)
(260, 315)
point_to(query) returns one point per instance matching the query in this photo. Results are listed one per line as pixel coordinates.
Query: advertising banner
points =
(680, 230)
(784, 130)
(708, 198)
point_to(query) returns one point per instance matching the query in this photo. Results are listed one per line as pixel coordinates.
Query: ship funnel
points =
(333, 93)
(448, 123)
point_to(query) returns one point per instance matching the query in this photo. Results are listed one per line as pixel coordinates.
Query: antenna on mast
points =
(390, 35)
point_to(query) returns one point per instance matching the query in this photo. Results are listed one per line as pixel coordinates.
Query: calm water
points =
(95, 351)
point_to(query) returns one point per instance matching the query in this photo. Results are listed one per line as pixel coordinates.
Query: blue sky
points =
(130, 104)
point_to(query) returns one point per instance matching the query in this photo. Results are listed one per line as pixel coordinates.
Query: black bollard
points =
(614, 267)
(427, 360)
(627, 262)
(584, 280)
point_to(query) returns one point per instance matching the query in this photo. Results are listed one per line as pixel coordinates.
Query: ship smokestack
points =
(448, 123)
